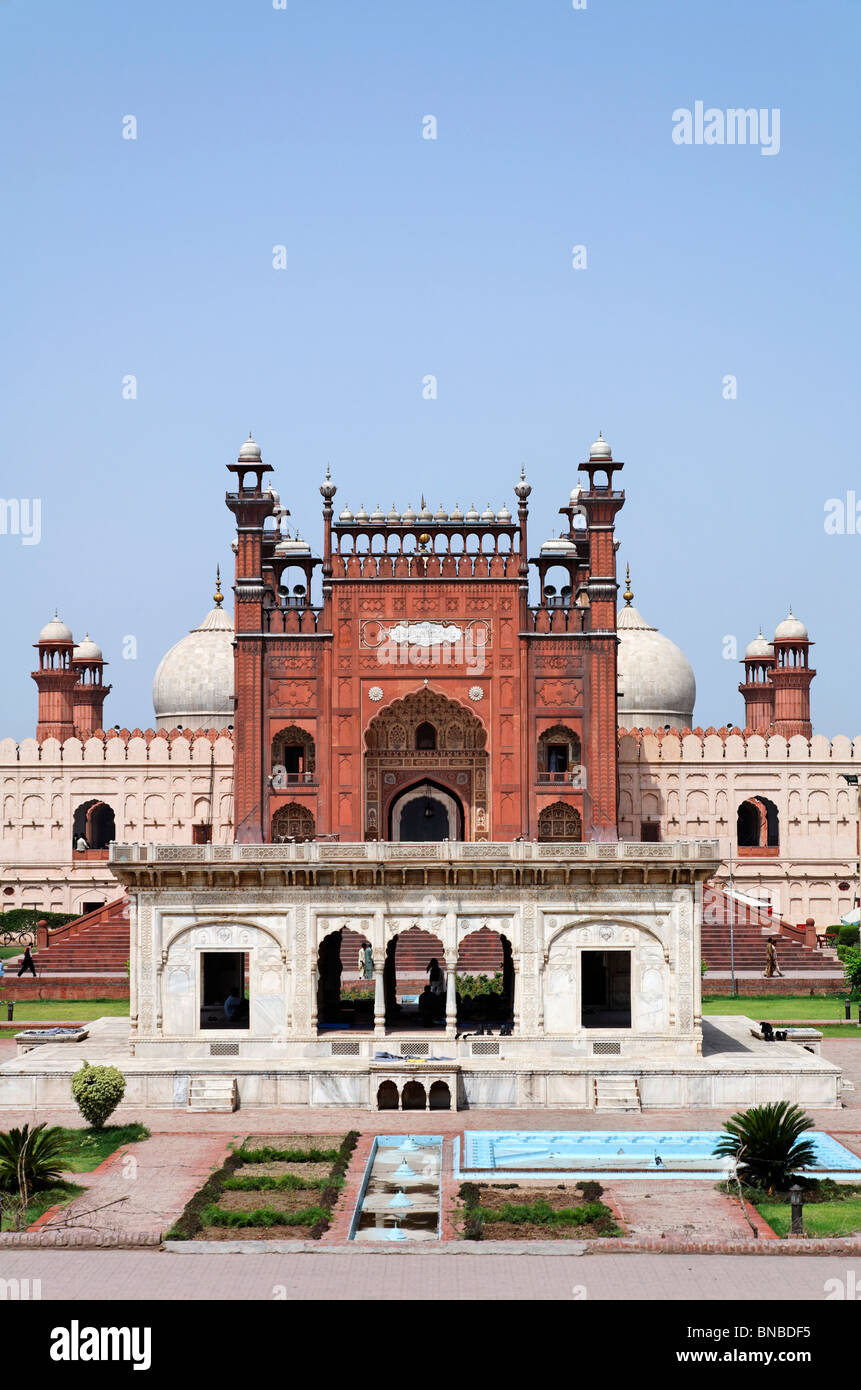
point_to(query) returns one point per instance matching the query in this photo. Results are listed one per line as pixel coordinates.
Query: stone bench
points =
(38, 1037)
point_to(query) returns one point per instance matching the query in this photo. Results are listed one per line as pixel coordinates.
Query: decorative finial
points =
(218, 596)
(327, 488)
(628, 595)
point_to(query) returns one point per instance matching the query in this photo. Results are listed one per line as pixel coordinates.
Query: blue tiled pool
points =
(599, 1153)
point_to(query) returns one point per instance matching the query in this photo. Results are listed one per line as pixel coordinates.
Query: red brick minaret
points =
(251, 506)
(791, 679)
(89, 692)
(600, 503)
(757, 687)
(55, 679)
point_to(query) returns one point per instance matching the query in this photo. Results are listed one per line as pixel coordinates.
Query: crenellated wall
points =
(159, 785)
(692, 784)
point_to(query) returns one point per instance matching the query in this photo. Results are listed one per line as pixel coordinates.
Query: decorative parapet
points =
(523, 863)
(733, 745)
(123, 746)
(317, 852)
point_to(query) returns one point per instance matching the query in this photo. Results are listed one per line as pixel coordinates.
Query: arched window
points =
(292, 822)
(559, 755)
(293, 756)
(425, 737)
(560, 822)
(93, 826)
(758, 824)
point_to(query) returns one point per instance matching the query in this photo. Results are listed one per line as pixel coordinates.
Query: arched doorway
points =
(413, 1096)
(485, 982)
(343, 999)
(425, 738)
(412, 998)
(387, 1096)
(93, 826)
(426, 812)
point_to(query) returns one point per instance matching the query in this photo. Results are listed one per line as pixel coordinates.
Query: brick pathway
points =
(694, 1211)
(149, 1183)
(392, 1276)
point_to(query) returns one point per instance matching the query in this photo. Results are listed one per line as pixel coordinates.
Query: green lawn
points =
(64, 1192)
(820, 1218)
(66, 1010)
(87, 1148)
(6, 952)
(783, 1007)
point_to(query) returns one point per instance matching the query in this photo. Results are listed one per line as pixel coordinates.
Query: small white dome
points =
(193, 684)
(558, 545)
(250, 451)
(56, 631)
(600, 449)
(378, 515)
(409, 515)
(394, 516)
(574, 499)
(293, 545)
(457, 514)
(425, 514)
(790, 630)
(488, 514)
(346, 515)
(362, 516)
(440, 514)
(87, 650)
(656, 679)
(472, 514)
(503, 515)
(759, 647)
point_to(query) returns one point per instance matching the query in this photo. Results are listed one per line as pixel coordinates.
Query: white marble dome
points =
(600, 449)
(790, 630)
(88, 650)
(56, 631)
(250, 451)
(760, 647)
(193, 685)
(656, 680)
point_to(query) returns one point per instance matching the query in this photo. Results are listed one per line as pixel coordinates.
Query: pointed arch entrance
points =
(426, 811)
(424, 740)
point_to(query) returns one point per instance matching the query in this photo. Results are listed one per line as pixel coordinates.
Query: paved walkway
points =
(395, 1277)
(143, 1187)
(694, 1211)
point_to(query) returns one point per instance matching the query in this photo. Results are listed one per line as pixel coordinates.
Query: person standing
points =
(771, 966)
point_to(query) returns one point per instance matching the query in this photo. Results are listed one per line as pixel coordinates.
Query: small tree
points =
(766, 1141)
(850, 959)
(97, 1091)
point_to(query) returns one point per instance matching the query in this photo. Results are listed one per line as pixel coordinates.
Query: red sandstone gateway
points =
(425, 697)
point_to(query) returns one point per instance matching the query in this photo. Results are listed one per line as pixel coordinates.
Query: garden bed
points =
(267, 1190)
(535, 1211)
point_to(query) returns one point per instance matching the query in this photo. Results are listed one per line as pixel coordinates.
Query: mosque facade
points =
(421, 773)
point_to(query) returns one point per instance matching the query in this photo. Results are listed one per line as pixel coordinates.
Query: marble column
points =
(451, 996)
(379, 1003)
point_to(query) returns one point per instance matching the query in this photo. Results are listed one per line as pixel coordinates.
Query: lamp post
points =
(797, 1200)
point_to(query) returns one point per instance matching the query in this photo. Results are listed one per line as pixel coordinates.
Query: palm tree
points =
(766, 1141)
(32, 1159)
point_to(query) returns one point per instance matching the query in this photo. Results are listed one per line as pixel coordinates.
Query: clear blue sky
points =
(302, 127)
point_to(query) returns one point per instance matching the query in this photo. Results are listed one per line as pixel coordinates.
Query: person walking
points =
(27, 963)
